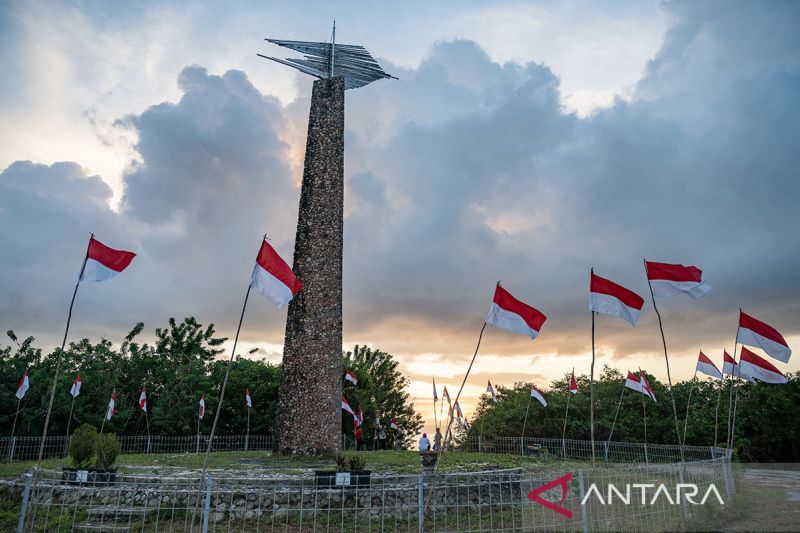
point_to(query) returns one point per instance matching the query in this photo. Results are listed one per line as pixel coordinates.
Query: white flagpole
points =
(591, 383)
(688, 403)
(644, 411)
(716, 413)
(614, 423)
(69, 420)
(247, 435)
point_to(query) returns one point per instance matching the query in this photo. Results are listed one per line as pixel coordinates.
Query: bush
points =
(106, 450)
(341, 463)
(81, 446)
(357, 463)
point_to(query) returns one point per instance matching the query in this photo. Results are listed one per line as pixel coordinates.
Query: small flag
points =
(466, 424)
(490, 390)
(706, 366)
(273, 278)
(458, 410)
(112, 409)
(360, 417)
(346, 406)
(202, 410)
(536, 393)
(394, 425)
(752, 367)
(573, 385)
(351, 377)
(24, 385)
(609, 298)
(633, 382)
(646, 390)
(75, 390)
(512, 315)
(435, 396)
(753, 332)
(446, 394)
(103, 263)
(378, 422)
(667, 279)
(729, 365)
(247, 400)
(143, 399)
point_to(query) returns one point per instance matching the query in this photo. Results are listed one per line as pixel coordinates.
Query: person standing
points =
(382, 439)
(359, 438)
(437, 440)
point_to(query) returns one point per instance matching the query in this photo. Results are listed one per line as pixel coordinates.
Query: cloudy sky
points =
(524, 142)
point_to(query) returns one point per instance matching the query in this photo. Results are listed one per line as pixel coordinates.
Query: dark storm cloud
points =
(462, 173)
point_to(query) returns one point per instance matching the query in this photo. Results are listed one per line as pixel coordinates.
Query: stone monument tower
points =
(309, 398)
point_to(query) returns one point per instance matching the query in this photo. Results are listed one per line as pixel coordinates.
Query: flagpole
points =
(147, 423)
(247, 435)
(688, 403)
(644, 411)
(666, 358)
(716, 413)
(525, 422)
(69, 420)
(735, 405)
(564, 431)
(60, 358)
(198, 432)
(728, 439)
(591, 384)
(614, 423)
(435, 419)
(13, 428)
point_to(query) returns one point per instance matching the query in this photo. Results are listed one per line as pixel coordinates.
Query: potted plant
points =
(81, 452)
(106, 451)
(327, 478)
(359, 475)
(349, 472)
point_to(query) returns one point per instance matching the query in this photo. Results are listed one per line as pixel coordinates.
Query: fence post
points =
(605, 445)
(522, 445)
(11, 451)
(421, 502)
(25, 498)
(479, 443)
(207, 503)
(582, 489)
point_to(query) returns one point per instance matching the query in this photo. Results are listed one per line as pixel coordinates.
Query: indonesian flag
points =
(490, 390)
(360, 417)
(608, 298)
(512, 315)
(446, 394)
(351, 377)
(394, 425)
(24, 385)
(273, 278)
(753, 332)
(346, 406)
(646, 390)
(633, 382)
(573, 385)
(435, 396)
(247, 400)
(458, 410)
(707, 367)
(143, 399)
(667, 279)
(536, 393)
(466, 424)
(103, 263)
(377, 421)
(112, 403)
(76, 387)
(753, 367)
(202, 410)
(729, 365)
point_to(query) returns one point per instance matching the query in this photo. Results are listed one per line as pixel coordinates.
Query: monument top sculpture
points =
(330, 60)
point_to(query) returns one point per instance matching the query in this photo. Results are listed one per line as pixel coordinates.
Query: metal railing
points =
(497, 500)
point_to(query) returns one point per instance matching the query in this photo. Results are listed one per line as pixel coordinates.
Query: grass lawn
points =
(389, 461)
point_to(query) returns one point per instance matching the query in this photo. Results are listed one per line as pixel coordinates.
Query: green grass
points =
(388, 461)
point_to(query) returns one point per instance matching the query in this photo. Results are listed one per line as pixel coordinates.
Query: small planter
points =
(325, 478)
(89, 476)
(347, 478)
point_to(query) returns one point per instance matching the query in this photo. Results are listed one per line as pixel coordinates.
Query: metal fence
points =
(497, 500)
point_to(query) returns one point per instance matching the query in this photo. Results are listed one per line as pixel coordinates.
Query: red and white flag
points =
(729, 365)
(609, 298)
(346, 406)
(512, 315)
(573, 385)
(706, 366)
(753, 332)
(646, 390)
(536, 393)
(273, 278)
(360, 417)
(112, 406)
(143, 399)
(435, 396)
(446, 394)
(666, 279)
(490, 390)
(458, 410)
(394, 425)
(633, 382)
(202, 411)
(752, 367)
(76, 387)
(247, 400)
(24, 385)
(103, 263)
(351, 377)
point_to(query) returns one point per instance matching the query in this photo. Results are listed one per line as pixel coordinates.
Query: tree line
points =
(767, 415)
(177, 367)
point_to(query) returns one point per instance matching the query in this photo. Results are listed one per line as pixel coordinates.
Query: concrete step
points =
(109, 513)
(102, 528)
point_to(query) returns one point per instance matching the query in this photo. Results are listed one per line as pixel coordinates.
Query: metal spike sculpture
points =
(330, 60)
(309, 420)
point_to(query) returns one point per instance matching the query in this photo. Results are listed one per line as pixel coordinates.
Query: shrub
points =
(357, 463)
(81, 445)
(341, 463)
(106, 450)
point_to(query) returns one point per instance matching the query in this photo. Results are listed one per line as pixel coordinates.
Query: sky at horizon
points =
(523, 141)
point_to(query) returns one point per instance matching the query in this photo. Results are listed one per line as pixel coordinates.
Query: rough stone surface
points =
(309, 421)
